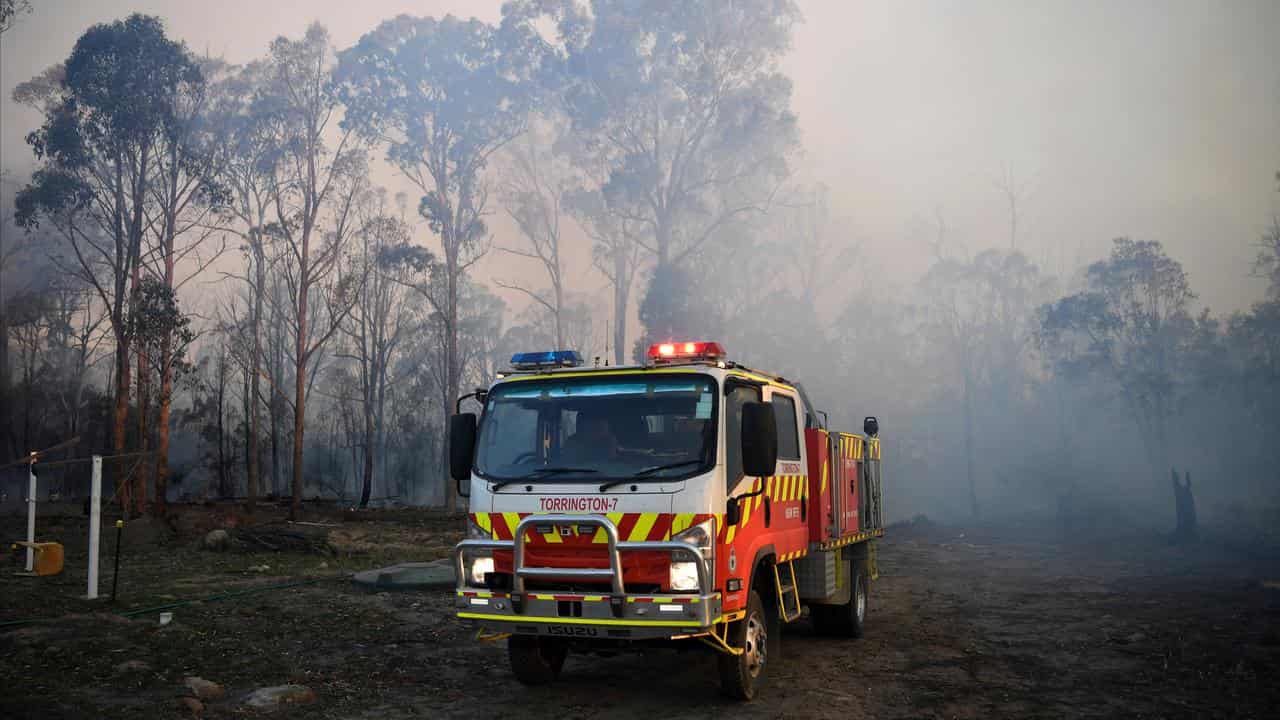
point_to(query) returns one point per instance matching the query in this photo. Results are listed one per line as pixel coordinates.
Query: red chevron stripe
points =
(661, 527)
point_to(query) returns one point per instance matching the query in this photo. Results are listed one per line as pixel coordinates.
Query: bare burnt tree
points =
(318, 180)
(377, 324)
(535, 181)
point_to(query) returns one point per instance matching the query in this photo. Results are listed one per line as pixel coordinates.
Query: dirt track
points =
(960, 625)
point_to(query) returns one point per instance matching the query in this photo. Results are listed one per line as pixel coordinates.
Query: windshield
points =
(598, 429)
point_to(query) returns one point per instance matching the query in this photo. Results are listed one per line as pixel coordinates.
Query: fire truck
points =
(685, 500)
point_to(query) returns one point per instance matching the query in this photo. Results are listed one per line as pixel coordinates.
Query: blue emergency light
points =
(548, 359)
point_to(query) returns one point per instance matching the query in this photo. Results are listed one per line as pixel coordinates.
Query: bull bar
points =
(701, 610)
(616, 548)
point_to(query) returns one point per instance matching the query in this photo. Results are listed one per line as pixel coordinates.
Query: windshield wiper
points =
(645, 472)
(538, 473)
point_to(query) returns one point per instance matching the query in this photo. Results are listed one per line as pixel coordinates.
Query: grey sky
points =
(1159, 120)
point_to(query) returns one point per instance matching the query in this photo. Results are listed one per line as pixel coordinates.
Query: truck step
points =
(784, 578)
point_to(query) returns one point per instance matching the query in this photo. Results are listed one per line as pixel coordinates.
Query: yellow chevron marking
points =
(482, 519)
(600, 537)
(512, 520)
(680, 523)
(826, 471)
(553, 536)
(642, 527)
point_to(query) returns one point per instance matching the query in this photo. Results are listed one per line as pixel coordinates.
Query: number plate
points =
(572, 630)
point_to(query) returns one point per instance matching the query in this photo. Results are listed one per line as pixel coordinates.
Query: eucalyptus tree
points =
(108, 114)
(319, 173)
(442, 96)
(686, 106)
(1131, 326)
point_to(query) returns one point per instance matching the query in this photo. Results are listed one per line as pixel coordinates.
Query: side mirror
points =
(871, 426)
(759, 439)
(462, 447)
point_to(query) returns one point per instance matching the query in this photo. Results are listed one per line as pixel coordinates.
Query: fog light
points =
(479, 567)
(684, 576)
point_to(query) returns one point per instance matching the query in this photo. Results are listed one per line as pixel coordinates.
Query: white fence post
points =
(95, 525)
(31, 515)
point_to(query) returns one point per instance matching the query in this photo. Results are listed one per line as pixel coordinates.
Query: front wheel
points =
(535, 660)
(742, 675)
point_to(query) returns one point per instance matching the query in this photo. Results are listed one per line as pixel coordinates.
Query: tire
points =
(847, 620)
(536, 660)
(857, 612)
(742, 676)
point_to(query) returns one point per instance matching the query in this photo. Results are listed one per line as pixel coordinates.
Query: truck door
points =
(789, 488)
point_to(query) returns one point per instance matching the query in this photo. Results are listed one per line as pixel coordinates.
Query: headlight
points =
(700, 537)
(480, 566)
(684, 570)
(684, 576)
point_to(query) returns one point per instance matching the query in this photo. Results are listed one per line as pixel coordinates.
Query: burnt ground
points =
(963, 623)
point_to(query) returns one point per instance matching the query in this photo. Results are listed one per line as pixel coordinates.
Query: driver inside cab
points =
(593, 439)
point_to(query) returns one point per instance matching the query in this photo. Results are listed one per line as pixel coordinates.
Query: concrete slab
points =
(434, 575)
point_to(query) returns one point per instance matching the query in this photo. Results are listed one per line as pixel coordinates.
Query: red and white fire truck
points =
(688, 499)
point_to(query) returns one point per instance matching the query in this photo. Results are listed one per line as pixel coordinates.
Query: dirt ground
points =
(963, 623)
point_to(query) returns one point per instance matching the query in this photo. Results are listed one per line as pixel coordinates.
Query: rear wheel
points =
(845, 620)
(536, 660)
(742, 675)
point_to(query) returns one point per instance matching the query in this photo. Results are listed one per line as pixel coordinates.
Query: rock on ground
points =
(217, 539)
(129, 666)
(190, 706)
(269, 698)
(204, 689)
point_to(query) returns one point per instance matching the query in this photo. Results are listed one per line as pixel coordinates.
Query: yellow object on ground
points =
(48, 557)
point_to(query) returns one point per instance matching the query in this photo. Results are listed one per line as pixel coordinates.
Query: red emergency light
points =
(659, 352)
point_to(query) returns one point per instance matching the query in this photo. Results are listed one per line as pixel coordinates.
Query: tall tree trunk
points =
(300, 381)
(452, 379)
(246, 402)
(9, 442)
(621, 296)
(120, 415)
(141, 486)
(275, 443)
(559, 298)
(662, 240)
(166, 394)
(367, 486)
(968, 448)
(224, 483)
(255, 468)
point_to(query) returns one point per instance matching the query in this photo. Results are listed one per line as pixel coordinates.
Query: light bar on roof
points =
(546, 359)
(685, 350)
